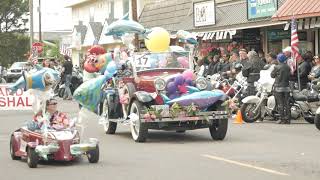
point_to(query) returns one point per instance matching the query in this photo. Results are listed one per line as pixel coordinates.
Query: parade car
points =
(162, 93)
(51, 144)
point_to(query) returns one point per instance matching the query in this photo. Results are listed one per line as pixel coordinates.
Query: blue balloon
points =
(112, 67)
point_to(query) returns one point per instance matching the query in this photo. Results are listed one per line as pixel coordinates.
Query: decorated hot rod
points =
(161, 92)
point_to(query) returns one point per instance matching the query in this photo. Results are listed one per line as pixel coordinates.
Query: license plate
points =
(165, 109)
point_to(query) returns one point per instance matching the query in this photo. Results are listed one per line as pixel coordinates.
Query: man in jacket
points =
(281, 73)
(251, 70)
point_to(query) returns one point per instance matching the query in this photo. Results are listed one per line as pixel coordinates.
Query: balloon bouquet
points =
(38, 82)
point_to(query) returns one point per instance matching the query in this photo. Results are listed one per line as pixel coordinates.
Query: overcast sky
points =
(54, 15)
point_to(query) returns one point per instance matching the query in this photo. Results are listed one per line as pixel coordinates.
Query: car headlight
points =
(160, 84)
(201, 83)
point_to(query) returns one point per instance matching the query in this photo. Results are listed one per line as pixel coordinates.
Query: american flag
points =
(65, 50)
(294, 45)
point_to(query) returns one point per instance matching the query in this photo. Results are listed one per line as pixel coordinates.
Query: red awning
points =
(298, 8)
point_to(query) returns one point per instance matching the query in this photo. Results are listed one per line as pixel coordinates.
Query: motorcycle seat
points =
(298, 96)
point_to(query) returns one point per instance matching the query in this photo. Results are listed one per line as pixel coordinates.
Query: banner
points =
(20, 100)
(261, 8)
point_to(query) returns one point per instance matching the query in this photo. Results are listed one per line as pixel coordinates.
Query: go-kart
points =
(51, 144)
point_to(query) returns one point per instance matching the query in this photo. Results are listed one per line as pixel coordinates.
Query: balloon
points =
(182, 89)
(174, 95)
(183, 61)
(88, 94)
(124, 55)
(112, 67)
(187, 74)
(176, 49)
(189, 82)
(158, 40)
(123, 26)
(203, 99)
(192, 89)
(187, 37)
(42, 79)
(171, 87)
(99, 63)
(179, 80)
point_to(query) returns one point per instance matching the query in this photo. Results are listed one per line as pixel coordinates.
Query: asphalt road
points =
(258, 151)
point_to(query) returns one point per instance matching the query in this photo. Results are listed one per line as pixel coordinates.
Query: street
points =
(263, 151)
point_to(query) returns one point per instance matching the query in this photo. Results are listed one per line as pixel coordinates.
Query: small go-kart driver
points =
(57, 120)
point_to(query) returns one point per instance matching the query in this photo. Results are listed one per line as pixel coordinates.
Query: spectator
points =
(67, 71)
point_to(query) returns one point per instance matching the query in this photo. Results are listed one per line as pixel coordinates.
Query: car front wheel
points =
(139, 130)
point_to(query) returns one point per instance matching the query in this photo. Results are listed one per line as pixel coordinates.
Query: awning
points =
(217, 35)
(299, 9)
(305, 23)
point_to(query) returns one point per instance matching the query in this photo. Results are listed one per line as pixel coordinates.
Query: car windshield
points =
(166, 60)
(18, 65)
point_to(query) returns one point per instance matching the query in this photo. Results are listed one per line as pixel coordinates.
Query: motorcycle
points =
(263, 104)
(76, 81)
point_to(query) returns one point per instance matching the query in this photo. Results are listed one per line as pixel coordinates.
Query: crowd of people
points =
(251, 63)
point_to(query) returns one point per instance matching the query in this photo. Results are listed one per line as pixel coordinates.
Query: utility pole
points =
(40, 34)
(135, 18)
(31, 23)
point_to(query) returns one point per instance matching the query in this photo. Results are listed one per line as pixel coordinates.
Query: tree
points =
(14, 44)
(12, 15)
(13, 47)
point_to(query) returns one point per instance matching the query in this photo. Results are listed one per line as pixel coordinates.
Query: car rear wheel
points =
(218, 129)
(139, 130)
(32, 158)
(93, 155)
(12, 151)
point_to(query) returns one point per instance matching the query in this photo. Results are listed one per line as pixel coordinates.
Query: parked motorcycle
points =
(263, 104)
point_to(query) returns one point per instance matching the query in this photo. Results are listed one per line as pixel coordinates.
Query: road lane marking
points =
(245, 165)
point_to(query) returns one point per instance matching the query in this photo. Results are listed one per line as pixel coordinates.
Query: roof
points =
(298, 8)
(75, 3)
(82, 29)
(166, 14)
(96, 29)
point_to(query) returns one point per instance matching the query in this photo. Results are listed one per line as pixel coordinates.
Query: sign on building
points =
(204, 13)
(261, 8)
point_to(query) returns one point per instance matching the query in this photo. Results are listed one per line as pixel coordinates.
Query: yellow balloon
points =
(158, 40)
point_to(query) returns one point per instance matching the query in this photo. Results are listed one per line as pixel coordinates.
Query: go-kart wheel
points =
(218, 129)
(139, 131)
(32, 158)
(93, 155)
(110, 127)
(12, 151)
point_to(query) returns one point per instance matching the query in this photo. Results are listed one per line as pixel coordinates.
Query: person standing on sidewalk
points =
(67, 71)
(281, 73)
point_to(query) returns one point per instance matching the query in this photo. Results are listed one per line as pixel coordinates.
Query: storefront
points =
(307, 15)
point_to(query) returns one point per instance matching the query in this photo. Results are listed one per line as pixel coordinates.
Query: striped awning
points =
(306, 23)
(216, 35)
